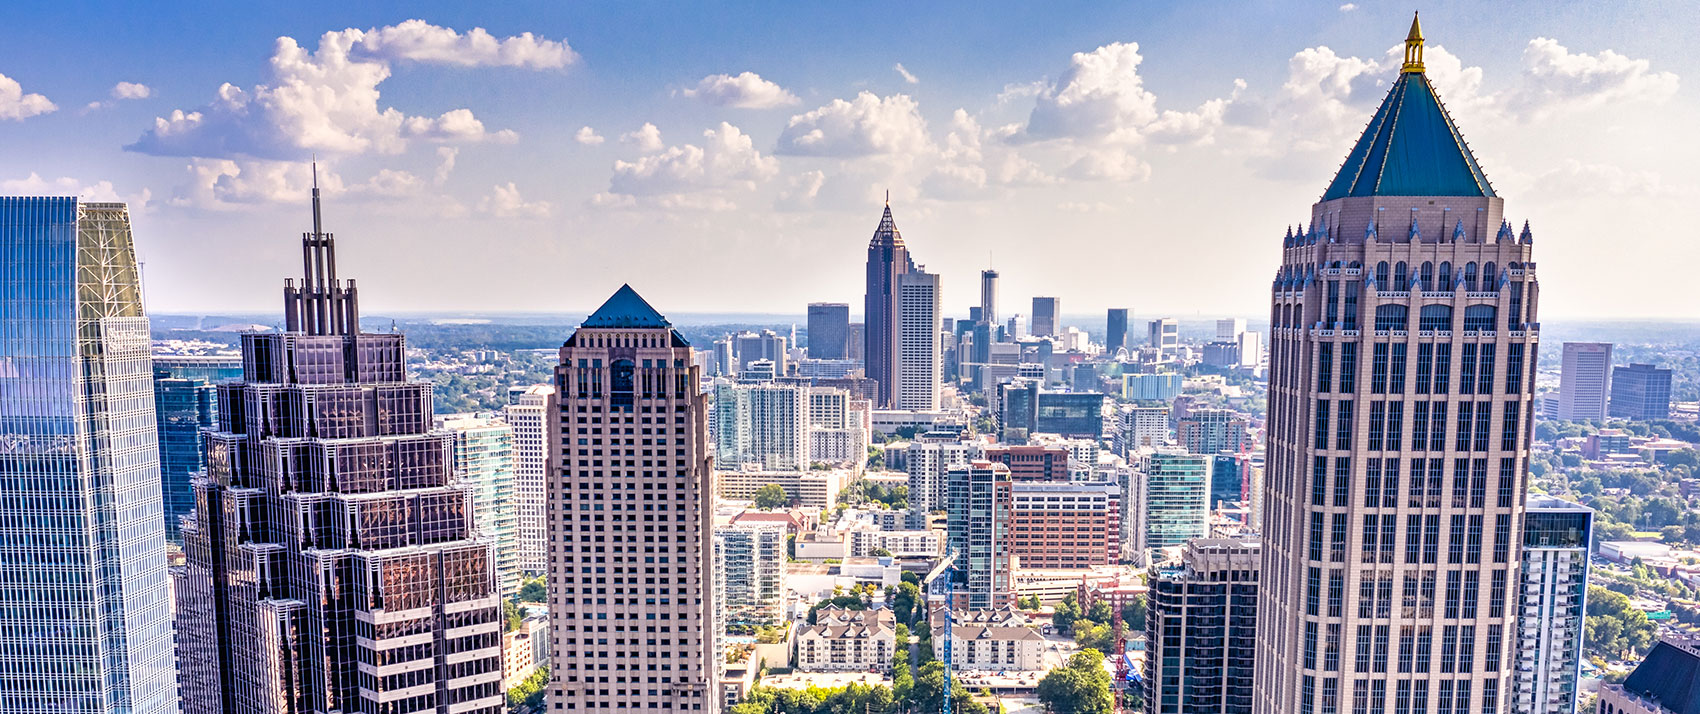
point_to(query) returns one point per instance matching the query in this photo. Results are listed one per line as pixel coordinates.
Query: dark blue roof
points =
(626, 309)
(1410, 148)
(1670, 676)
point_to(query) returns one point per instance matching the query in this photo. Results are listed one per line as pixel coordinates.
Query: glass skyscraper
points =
(185, 402)
(85, 610)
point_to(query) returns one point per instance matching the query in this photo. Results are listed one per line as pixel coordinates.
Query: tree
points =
(910, 577)
(771, 496)
(902, 631)
(1614, 626)
(1099, 612)
(530, 692)
(880, 553)
(1080, 687)
(903, 604)
(511, 613)
(1066, 613)
(928, 692)
(533, 590)
(1133, 614)
(848, 602)
(1094, 635)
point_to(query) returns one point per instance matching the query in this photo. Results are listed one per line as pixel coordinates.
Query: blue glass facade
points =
(85, 617)
(185, 402)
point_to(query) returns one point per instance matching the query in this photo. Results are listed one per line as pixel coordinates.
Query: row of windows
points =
(1428, 426)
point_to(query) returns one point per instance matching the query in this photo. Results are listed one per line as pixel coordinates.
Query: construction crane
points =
(946, 568)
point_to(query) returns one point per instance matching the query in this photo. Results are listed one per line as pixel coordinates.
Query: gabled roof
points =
(626, 309)
(1410, 148)
(1671, 676)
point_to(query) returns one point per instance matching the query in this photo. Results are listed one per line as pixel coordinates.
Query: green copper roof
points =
(626, 309)
(1410, 148)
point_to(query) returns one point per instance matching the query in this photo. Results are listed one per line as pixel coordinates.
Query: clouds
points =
(646, 138)
(18, 106)
(131, 90)
(745, 91)
(906, 74)
(327, 101)
(727, 157)
(866, 126)
(1554, 79)
(505, 201)
(100, 191)
(588, 136)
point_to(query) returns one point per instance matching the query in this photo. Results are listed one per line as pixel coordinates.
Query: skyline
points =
(1170, 115)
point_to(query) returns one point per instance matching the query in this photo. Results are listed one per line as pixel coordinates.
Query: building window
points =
(1480, 318)
(1396, 370)
(1392, 317)
(1348, 367)
(1435, 318)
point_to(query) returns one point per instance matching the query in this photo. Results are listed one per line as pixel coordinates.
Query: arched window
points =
(1427, 275)
(1479, 317)
(1381, 276)
(1490, 281)
(620, 388)
(1470, 276)
(1445, 281)
(1392, 317)
(1435, 317)
(1401, 277)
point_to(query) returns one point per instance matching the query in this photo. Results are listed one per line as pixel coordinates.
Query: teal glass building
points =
(185, 402)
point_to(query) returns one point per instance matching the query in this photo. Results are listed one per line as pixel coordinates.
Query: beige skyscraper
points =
(1404, 334)
(630, 516)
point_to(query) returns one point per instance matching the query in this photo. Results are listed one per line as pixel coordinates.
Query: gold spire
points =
(1414, 47)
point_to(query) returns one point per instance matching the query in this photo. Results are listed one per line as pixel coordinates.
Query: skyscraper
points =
(829, 330)
(989, 296)
(85, 607)
(529, 418)
(1640, 391)
(1175, 506)
(751, 556)
(631, 595)
(185, 401)
(1584, 381)
(1164, 335)
(484, 461)
(1408, 296)
(764, 424)
(1201, 629)
(888, 260)
(330, 533)
(1552, 602)
(979, 522)
(920, 349)
(1115, 332)
(1047, 316)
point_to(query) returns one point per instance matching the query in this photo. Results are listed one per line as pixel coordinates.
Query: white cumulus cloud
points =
(726, 158)
(866, 126)
(646, 138)
(99, 191)
(505, 201)
(587, 136)
(1554, 78)
(16, 105)
(420, 41)
(131, 90)
(744, 91)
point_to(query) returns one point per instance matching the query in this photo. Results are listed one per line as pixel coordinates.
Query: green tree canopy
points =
(771, 496)
(1080, 687)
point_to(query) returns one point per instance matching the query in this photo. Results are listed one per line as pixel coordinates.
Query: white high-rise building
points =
(839, 426)
(531, 456)
(1584, 382)
(751, 558)
(484, 460)
(1141, 428)
(929, 465)
(1229, 329)
(763, 423)
(919, 344)
(1552, 601)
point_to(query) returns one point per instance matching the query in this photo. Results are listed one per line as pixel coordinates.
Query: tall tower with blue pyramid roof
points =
(1402, 355)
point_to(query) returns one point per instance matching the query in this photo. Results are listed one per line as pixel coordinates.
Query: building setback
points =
(1404, 330)
(1201, 629)
(85, 604)
(330, 533)
(631, 595)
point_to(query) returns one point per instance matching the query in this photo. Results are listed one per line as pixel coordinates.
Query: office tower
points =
(185, 402)
(1175, 507)
(1229, 329)
(528, 416)
(1031, 463)
(766, 346)
(726, 357)
(1408, 300)
(330, 532)
(1212, 431)
(1640, 391)
(484, 461)
(1251, 349)
(888, 261)
(1047, 316)
(1065, 525)
(1229, 478)
(752, 558)
(762, 424)
(85, 605)
(1662, 684)
(625, 376)
(1016, 327)
(856, 342)
(919, 349)
(929, 464)
(978, 521)
(1141, 427)
(1552, 598)
(1164, 336)
(1584, 381)
(829, 330)
(989, 296)
(1201, 629)
(1115, 330)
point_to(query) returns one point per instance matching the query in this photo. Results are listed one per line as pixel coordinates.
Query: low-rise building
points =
(900, 544)
(818, 489)
(847, 641)
(976, 646)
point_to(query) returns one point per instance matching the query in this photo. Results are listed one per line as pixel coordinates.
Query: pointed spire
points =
(626, 309)
(1416, 235)
(886, 234)
(1527, 236)
(1458, 231)
(1369, 232)
(1414, 48)
(1505, 233)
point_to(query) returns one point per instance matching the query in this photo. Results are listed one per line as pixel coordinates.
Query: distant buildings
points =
(1551, 601)
(816, 489)
(1151, 387)
(829, 330)
(528, 416)
(1067, 525)
(1031, 463)
(85, 604)
(978, 523)
(928, 465)
(888, 261)
(920, 350)
(1164, 336)
(1212, 431)
(626, 377)
(1662, 684)
(765, 346)
(185, 401)
(989, 297)
(1201, 629)
(1141, 427)
(1640, 391)
(1115, 330)
(484, 460)
(1047, 314)
(1584, 381)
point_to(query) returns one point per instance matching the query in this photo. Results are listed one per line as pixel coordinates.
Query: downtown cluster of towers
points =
(333, 565)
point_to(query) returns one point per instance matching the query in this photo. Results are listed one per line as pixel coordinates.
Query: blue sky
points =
(1135, 155)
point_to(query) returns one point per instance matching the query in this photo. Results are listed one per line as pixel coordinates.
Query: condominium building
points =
(751, 557)
(898, 543)
(1151, 387)
(528, 416)
(1032, 462)
(980, 502)
(839, 427)
(1584, 381)
(809, 489)
(1551, 601)
(629, 427)
(978, 647)
(1065, 525)
(1212, 431)
(484, 460)
(928, 464)
(1201, 629)
(1141, 428)
(847, 641)
(765, 425)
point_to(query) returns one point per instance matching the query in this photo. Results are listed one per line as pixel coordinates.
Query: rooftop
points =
(626, 309)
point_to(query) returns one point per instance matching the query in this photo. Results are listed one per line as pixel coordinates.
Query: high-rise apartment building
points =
(829, 330)
(185, 402)
(764, 424)
(1640, 391)
(1403, 341)
(1031, 462)
(979, 519)
(765, 346)
(751, 557)
(1212, 431)
(1065, 525)
(888, 261)
(1141, 427)
(1175, 506)
(628, 427)
(929, 464)
(85, 603)
(484, 461)
(989, 297)
(1164, 336)
(1201, 629)
(1047, 316)
(330, 532)
(1584, 381)
(920, 348)
(1115, 330)
(528, 416)
(1552, 600)
(839, 427)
